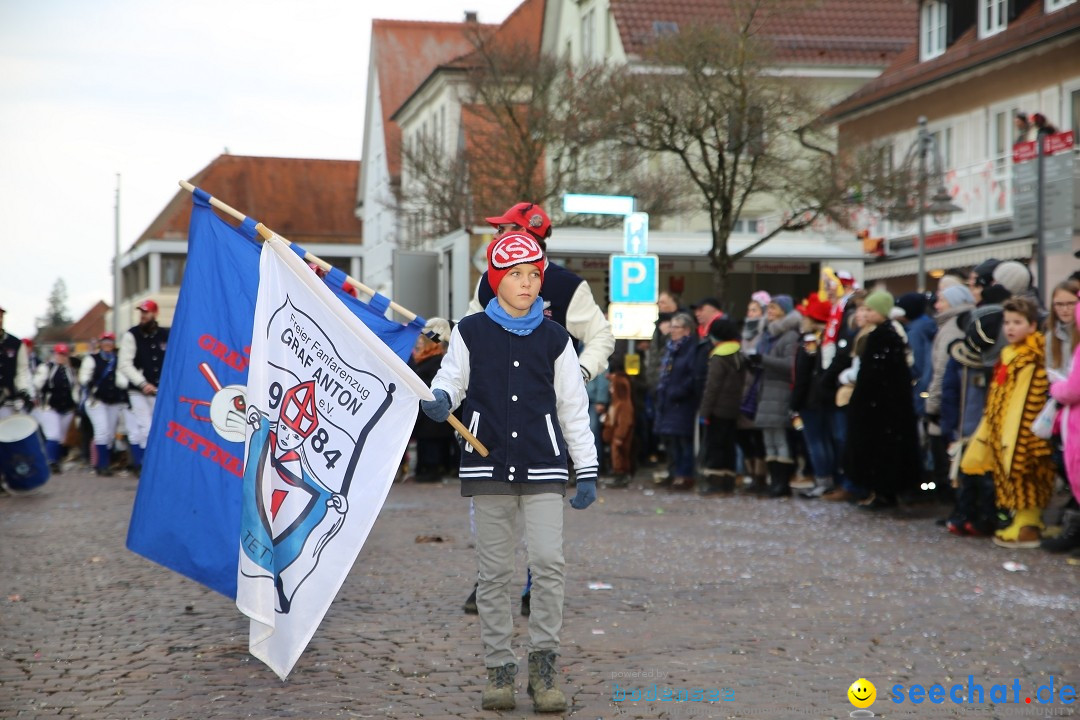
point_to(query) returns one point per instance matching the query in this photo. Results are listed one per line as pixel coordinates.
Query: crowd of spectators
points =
(850, 395)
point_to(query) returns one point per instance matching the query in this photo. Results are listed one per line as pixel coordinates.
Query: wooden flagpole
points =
(266, 233)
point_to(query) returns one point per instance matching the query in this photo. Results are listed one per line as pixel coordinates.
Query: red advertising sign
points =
(1024, 151)
(939, 239)
(1052, 144)
(1058, 142)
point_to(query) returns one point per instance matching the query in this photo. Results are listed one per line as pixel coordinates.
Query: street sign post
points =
(633, 321)
(636, 233)
(634, 279)
(598, 204)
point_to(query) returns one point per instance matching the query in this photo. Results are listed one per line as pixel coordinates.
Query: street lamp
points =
(940, 206)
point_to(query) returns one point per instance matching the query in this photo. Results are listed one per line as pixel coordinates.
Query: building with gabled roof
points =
(971, 68)
(853, 33)
(81, 335)
(403, 53)
(837, 44)
(307, 201)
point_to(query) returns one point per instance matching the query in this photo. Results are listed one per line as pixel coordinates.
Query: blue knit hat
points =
(784, 302)
(957, 295)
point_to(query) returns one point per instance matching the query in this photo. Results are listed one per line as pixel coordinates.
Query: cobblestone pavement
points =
(785, 603)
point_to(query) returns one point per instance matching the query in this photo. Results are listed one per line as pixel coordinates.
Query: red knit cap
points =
(512, 249)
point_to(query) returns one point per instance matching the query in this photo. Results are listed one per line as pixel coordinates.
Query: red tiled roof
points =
(906, 73)
(405, 52)
(91, 325)
(832, 32)
(522, 30)
(303, 200)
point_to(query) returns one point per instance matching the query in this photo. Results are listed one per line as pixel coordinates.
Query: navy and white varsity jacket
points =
(523, 397)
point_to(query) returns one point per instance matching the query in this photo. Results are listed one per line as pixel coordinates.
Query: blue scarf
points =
(518, 325)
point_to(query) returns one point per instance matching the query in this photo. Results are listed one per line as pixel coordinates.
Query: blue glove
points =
(586, 494)
(439, 408)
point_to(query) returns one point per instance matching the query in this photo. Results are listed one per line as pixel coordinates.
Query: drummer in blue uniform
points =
(104, 400)
(142, 356)
(15, 382)
(58, 388)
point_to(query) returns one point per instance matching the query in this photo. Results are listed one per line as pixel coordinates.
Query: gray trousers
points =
(497, 534)
(776, 445)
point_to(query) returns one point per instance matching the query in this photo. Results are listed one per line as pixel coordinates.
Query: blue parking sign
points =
(634, 278)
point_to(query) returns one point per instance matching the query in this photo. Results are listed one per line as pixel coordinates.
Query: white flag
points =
(330, 409)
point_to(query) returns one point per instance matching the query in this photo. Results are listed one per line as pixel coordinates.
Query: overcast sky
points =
(155, 90)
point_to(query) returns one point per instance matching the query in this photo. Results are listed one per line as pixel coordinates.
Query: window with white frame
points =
(943, 139)
(1052, 5)
(588, 34)
(993, 17)
(933, 26)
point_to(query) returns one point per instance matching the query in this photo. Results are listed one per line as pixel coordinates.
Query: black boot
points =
(1069, 539)
(780, 478)
(470, 603)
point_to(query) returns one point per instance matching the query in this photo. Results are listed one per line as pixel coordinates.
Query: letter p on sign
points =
(634, 278)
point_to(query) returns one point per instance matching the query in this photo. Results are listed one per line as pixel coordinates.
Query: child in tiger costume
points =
(1004, 443)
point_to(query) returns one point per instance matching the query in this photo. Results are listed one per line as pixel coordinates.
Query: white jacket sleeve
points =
(23, 382)
(76, 386)
(86, 370)
(453, 375)
(41, 376)
(127, 375)
(474, 303)
(572, 406)
(585, 321)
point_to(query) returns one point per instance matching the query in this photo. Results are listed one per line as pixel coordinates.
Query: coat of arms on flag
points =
(187, 510)
(329, 409)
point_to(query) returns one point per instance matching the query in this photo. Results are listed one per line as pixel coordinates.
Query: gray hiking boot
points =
(499, 693)
(544, 682)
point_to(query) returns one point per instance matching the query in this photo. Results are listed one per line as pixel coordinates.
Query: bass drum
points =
(23, 465)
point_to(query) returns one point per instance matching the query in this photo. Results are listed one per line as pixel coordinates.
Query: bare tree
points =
(709, 97)
(525, 136)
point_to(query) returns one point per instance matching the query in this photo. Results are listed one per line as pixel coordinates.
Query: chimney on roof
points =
(470, 16)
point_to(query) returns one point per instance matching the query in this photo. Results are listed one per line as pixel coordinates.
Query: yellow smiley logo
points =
(862, 693)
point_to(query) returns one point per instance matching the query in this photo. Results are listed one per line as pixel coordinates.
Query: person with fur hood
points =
(883, 444)
(954, 305)
(776, 357)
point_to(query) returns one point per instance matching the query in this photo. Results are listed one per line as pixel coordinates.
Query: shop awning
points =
(963, 257)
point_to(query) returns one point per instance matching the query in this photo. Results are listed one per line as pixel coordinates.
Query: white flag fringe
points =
(330, 409)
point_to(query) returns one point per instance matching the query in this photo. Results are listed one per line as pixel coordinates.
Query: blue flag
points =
(187, 512)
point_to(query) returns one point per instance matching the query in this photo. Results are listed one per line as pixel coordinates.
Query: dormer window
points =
(993, 17)
(933, 28)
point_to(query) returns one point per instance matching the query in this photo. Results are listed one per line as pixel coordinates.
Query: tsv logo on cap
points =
(515, 249)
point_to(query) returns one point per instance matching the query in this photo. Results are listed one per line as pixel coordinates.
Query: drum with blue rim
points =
(23, 465)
